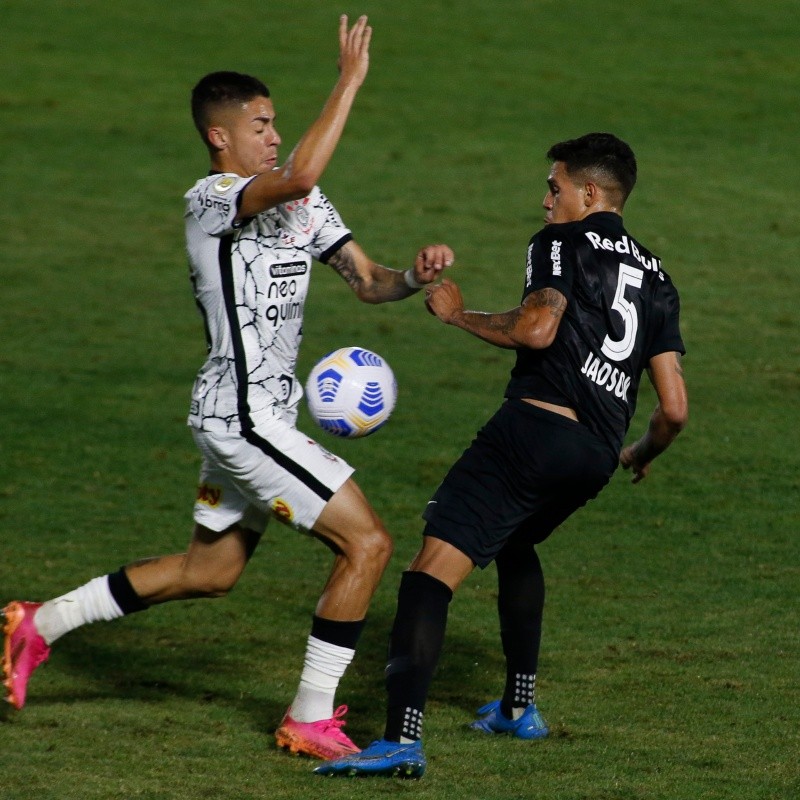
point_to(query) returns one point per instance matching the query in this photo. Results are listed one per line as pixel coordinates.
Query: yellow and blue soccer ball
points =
(351, 392)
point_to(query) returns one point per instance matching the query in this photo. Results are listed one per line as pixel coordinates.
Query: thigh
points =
(476, 507)
(217, 552)
(526, 466)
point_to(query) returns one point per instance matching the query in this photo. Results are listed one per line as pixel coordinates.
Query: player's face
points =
(564, 201)
(251, 139)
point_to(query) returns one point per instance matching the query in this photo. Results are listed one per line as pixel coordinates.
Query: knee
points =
(372, 548)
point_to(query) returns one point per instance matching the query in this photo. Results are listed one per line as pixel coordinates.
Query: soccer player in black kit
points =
(597, 310)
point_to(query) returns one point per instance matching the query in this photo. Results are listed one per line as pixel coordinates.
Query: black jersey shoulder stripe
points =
(242, 381)
(334, 247)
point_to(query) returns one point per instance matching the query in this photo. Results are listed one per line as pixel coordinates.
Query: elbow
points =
(676, 416)
(303, 182)
(366, 296)
(297, 182)
(539, 339)
(296, 188)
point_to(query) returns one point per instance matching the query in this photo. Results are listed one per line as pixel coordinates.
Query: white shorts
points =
(274, 469)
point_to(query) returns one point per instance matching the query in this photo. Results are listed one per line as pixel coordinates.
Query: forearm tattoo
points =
(503, 323)
(344, 263)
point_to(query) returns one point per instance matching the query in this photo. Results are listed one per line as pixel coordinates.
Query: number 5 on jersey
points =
(619, 350)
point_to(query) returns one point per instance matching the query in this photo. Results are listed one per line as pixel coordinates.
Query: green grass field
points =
(670, 656)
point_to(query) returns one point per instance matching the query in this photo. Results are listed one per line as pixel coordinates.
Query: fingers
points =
(431, 260)
(438, 256)
(355, 41)
(639, 471)
(360, 35)
(627, 460)
(444, 300)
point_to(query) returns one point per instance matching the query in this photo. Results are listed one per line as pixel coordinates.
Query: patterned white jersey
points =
(250, 282)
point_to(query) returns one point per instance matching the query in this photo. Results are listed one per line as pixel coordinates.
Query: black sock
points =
(414, 649)
(520, 604)
(124, 594)
(342, 634)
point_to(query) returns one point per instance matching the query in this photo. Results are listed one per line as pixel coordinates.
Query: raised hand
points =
(354, 50)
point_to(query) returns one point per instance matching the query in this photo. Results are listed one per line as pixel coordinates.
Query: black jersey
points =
(622, 309)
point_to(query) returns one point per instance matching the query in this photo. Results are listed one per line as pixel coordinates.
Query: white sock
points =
(323, 667)
(91, 602)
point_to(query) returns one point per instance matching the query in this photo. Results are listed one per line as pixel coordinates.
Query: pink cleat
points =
(323, 739)
(23, 650)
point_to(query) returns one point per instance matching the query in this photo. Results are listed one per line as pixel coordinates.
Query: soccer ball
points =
(351, 392)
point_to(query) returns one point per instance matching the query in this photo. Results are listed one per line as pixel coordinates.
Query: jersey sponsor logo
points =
(289, 269)
(612, 379)
(625, 246)
(213, 202)
(282, 510)
(209, 495)
(555, 256)
(286, 306)
(529, 267)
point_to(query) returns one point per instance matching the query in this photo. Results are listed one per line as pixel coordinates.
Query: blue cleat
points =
(530, 725)
(380, 758)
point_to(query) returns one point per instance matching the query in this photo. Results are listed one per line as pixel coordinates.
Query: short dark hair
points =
(219, 89)
(608, 159)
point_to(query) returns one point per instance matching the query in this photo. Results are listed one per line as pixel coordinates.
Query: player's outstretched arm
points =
(668, 419)
(306, 163)
(534, 324)
(374, 283)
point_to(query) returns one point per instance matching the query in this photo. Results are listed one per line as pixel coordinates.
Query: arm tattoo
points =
(344, 263)
(548, 298)
(504, 323)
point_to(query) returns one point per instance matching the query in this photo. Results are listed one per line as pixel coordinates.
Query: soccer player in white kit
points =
(252, 229)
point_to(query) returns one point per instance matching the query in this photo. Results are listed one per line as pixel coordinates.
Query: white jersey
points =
(250, 282)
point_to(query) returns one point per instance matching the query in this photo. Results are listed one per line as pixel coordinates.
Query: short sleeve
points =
(550, 262)
(214, 202)
(668, 338)
(331, 233)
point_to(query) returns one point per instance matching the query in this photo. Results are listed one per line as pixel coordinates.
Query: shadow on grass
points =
(97, 665)
(252, 672)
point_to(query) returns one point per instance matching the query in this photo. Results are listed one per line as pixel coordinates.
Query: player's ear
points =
(218, 137)
(591, 194)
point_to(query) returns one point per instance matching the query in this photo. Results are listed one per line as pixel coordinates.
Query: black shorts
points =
(526, 471)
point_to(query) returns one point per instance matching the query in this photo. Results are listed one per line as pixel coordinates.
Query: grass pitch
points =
(669, 665)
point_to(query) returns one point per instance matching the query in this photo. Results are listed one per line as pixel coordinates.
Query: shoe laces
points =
(334, 725)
